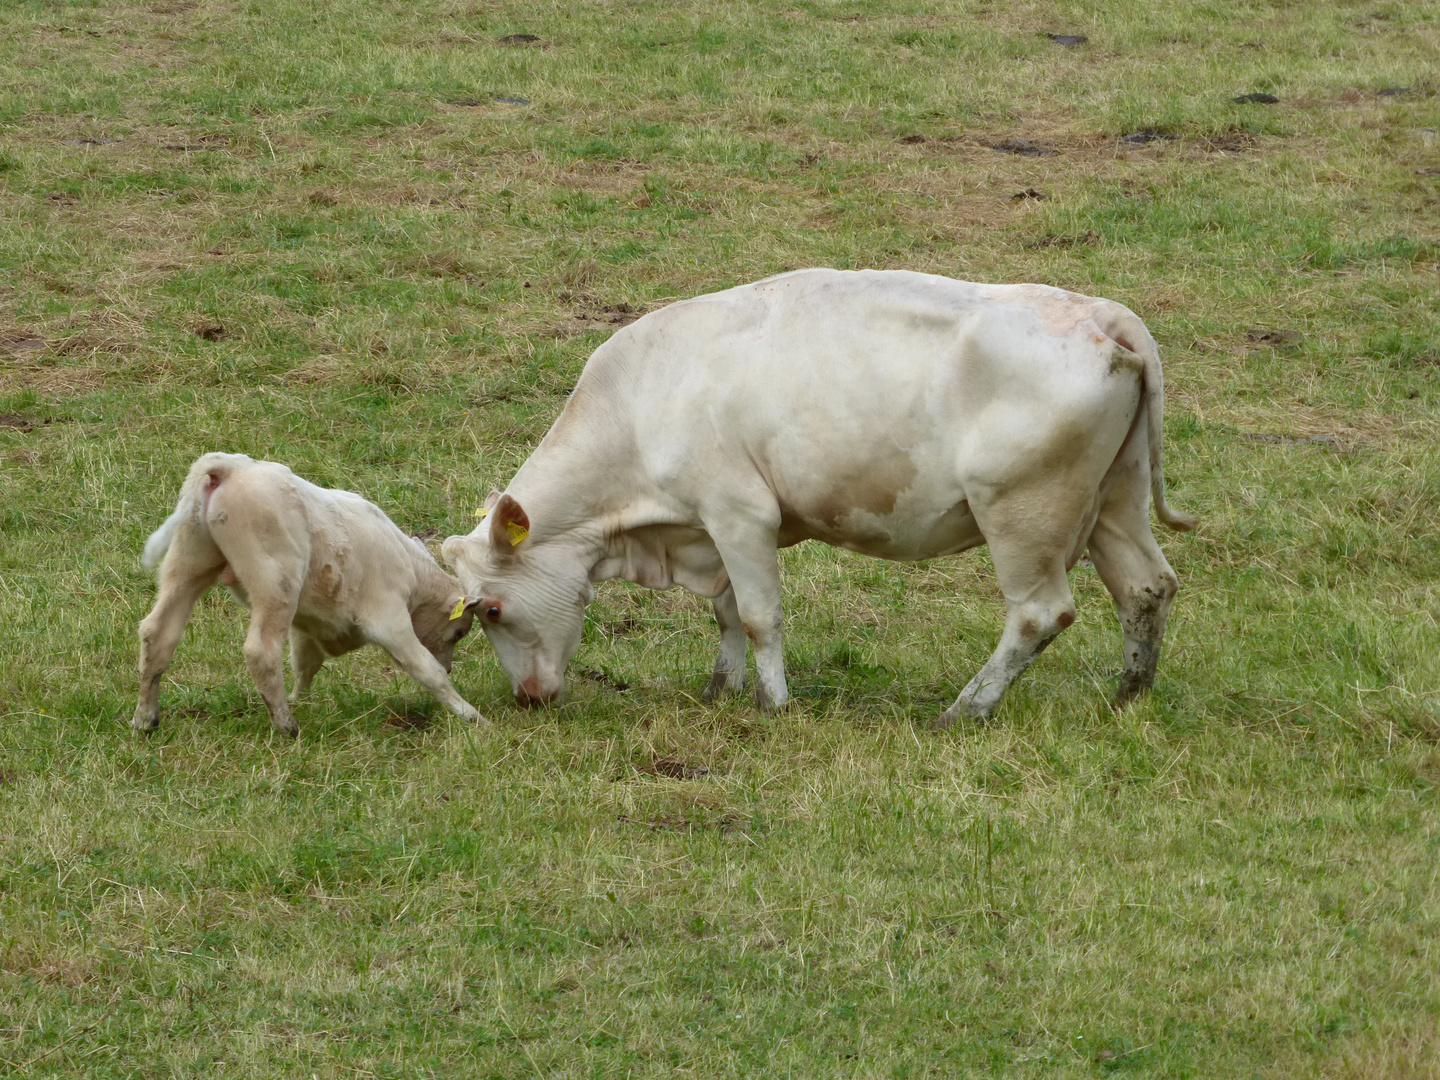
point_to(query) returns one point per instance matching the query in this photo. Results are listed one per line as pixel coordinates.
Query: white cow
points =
(897, 414)
(326, 566)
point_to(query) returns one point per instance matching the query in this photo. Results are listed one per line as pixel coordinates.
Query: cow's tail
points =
(204, 477)
(1134, 336)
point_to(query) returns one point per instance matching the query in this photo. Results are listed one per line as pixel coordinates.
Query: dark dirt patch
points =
(727, 823)
(1328, 441)
(519, 39)
(408, 721)
(210, 331)
(1050, 240)
(19, 342)
(1394, 91)
(426, 535)
(21, 423)
(1028, 193)
(511, 100)
(912, 140)
(673, 768)
(88, 142)
(6, 776)
(604, 678)
(1274, 338)
(1256, 99)
(627, 624)
(1146, 135)
(1070, 41)
(1022, 147)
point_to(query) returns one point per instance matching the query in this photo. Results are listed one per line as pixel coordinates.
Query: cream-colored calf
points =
(326, 567)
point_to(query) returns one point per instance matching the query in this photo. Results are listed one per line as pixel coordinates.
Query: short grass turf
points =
(376, 241)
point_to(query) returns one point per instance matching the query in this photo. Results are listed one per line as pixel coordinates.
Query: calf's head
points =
(532, 598)
(441, 616)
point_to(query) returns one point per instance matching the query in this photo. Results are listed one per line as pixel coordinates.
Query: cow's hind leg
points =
(191, 567)
(1133, 568)
(1030, 563)
(729, 676)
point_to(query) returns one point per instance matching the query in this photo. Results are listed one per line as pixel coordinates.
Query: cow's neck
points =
(578, 491)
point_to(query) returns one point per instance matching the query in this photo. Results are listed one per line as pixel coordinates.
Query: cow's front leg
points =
(729, 676)
(752, 561)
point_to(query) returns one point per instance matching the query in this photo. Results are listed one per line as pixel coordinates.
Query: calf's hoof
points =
(472, 715)
(145, 721)
(287, 727)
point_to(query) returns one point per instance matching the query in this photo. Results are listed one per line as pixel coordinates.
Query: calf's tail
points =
(202, 480)
(1130, 332)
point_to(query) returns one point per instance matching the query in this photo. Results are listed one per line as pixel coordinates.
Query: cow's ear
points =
(508, 524)
(450, 550)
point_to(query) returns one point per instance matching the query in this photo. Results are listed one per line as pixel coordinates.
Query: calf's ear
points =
(508, 525)
(450, 550)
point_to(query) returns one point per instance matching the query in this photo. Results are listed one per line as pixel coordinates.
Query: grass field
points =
(321, 234)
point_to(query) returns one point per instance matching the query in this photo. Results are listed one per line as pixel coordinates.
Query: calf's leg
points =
(191, 567)
(420, 664)
(729, 676)
(270, 619)
(306, 657)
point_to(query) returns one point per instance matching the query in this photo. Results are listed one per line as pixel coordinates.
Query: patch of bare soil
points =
(673, 768)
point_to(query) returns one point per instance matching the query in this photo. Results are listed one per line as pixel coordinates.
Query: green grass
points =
(358, 263)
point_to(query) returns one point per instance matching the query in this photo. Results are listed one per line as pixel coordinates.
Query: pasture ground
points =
(321, 234)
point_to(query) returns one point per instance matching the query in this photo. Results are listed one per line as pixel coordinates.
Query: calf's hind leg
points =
(191, 567)
(270, 619)
(1134, 570)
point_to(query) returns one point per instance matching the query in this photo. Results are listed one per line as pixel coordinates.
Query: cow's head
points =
(532, 598)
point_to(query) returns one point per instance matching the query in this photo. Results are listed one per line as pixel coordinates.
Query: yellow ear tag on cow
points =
(482, 511)
(458, 609)
(516, 532)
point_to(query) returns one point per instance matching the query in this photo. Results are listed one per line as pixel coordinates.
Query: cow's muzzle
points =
(530, 694)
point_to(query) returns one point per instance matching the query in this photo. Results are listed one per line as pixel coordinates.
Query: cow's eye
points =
(493, 613)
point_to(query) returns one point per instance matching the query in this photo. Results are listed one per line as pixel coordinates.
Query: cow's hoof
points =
(956, 713)
(144, 722)
(719, 686)
(766, 703)
(1132, 685)
(289, 730)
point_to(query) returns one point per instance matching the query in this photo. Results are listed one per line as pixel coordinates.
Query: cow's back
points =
(870, 403)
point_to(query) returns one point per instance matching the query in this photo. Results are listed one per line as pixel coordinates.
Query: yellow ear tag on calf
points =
(458, 609)
(482, 511)
(516, 532)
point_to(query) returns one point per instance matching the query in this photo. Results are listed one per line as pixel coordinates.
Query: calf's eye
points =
(493, 614)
